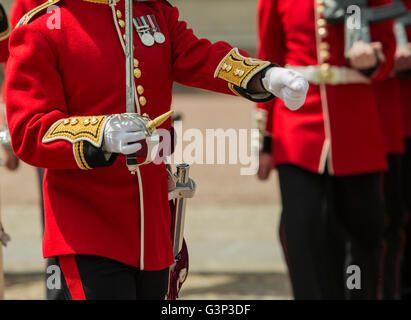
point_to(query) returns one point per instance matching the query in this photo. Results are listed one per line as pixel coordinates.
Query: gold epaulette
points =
(77, 129)
(33, 13)
(239, 70)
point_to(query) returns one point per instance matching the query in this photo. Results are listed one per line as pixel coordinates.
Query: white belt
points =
(326, 74)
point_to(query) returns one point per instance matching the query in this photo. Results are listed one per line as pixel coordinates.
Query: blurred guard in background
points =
(110, 230)
(329, 154)
(403, 70)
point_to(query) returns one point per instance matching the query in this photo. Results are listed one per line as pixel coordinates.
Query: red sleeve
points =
(384, 33)
(270, 46)
(196, 60)
(35, 100)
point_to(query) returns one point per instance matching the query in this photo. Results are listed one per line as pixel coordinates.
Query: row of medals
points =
(149, 35)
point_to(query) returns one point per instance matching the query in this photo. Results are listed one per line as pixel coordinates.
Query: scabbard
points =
(183, 171)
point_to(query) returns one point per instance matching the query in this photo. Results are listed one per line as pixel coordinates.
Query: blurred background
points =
(232, 223)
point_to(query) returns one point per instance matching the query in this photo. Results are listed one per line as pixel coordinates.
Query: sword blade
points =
(130, 104)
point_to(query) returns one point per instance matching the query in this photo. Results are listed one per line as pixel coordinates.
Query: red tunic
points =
(338, 124)
(79, 70)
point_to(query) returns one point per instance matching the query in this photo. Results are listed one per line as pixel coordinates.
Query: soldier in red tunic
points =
(329, 154)
(65, 104)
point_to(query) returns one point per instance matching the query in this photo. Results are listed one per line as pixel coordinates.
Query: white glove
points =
(121, 135)
(289, 85)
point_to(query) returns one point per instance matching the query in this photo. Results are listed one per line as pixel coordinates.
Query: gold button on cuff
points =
(94, 121)
(66, 121)
(136, 63)
(140, 89)
(74, 121)
(119, 14)
(143, 101)
(137, 73)
(86, 122)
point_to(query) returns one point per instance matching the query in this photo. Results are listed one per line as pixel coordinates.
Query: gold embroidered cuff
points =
(78, 129)
(79, 155)
(33, 13)
(239, 70)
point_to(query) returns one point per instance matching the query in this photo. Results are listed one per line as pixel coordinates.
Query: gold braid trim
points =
(78, 150)
(78, 129)
(31, 14)
(239, 70)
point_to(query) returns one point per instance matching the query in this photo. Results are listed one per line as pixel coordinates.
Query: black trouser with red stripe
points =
(321, 213)
(86, 277)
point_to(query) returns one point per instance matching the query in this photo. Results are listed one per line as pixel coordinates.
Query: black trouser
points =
(393, 235)
(319, 213)
(406, 265)
(97, 278)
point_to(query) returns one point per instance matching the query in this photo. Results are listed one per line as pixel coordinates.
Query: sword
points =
(185, 189)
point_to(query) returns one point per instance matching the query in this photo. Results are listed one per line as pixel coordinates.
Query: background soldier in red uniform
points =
(109, 230)
(329, 154)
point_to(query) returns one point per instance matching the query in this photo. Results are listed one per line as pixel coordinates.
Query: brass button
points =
(94, 121)
(324, 46)
(239, 72)
(66, 121)
(121, 23)
(322, 32)
(322, 22)
(136, 63)
(143, 101)
(140, 89)
(119, 15)
(124, 37)
(137, 73)
(74, 121)
(321, 8)
(324, 55)
(86, 122)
